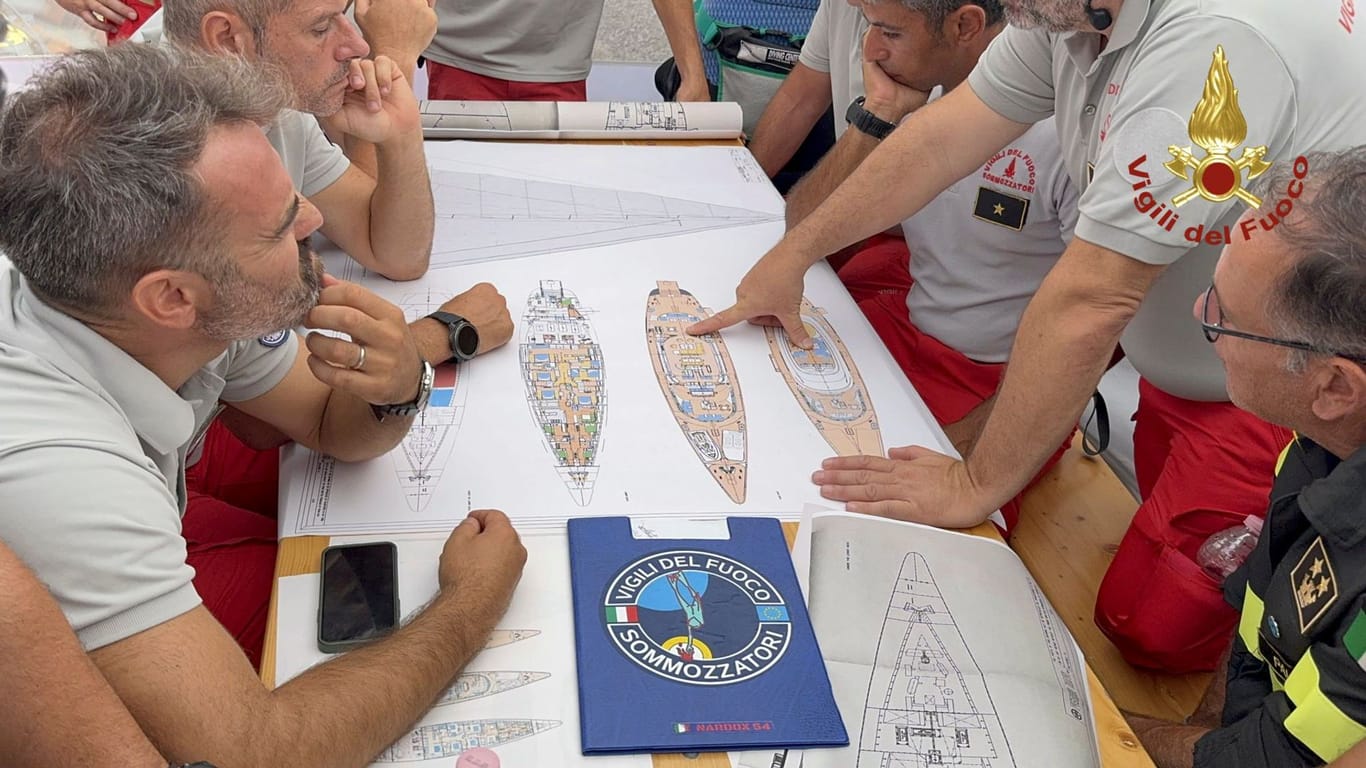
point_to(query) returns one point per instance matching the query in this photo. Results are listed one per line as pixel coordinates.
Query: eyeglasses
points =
(1215, 328)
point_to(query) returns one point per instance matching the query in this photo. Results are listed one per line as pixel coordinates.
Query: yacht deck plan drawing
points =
(827, 385)
(940, 654)
(922, 710)
(486, 216)
(563, 369)
(476, 685)
(431, 742)
(698, 380)
(426, 449)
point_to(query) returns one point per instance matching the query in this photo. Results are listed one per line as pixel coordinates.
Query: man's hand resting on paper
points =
(912, 483)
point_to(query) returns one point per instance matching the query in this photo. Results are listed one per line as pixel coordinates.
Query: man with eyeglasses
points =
(1287, 316)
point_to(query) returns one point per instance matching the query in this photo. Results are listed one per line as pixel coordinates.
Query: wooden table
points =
(1119, 748)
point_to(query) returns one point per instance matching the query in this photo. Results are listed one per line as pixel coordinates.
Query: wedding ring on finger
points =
(360, 359)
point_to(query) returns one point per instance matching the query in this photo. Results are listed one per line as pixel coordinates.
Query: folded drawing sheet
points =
(942, 651)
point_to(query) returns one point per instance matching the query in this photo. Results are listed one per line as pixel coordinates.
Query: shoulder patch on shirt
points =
(1001, 209)
(1313, 584)
(274, 339)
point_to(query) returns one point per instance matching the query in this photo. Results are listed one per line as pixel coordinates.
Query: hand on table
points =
(380, 364)
(912, 483)
(483, 559)
(487, 311)
(693, 89)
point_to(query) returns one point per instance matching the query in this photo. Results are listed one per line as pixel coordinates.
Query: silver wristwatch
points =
(417, 404)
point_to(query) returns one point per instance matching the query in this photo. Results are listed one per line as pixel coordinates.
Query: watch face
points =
(466, 341)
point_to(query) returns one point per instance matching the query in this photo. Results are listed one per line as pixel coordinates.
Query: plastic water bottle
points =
(1222, 553)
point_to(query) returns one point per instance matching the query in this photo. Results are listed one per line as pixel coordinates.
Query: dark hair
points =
(936, 11)
(97, 186)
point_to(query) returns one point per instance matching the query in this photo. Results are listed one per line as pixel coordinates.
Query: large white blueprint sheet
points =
(517, 698)
(942, 651)
(592, 409)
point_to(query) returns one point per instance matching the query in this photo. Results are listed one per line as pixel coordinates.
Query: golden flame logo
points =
(1217, 125)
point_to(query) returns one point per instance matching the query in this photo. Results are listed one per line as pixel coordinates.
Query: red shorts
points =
(452, 83)
(881, 265)
(230, 531)
(950, 383)
(1202, 467)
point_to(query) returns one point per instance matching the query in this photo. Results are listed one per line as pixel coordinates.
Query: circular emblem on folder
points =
(697, 617)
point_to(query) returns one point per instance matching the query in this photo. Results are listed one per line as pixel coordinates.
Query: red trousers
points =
(1202, 467)
(452, 83)
(230, 530)
(881, 265)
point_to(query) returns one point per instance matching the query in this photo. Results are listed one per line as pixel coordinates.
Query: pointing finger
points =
(723, 319)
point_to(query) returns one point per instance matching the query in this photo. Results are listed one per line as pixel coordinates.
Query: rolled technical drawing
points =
(827, 385)
(563, 369)
(698, 380)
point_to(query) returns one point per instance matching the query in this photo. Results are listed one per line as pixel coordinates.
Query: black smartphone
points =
(359, 600)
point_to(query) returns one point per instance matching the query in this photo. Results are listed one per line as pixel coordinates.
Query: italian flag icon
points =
(680, 727)
(619, 614)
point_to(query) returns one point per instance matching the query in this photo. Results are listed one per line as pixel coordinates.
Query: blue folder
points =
(693, 645)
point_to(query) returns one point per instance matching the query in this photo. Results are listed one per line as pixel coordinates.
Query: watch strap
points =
(866, 121)
(417, 404)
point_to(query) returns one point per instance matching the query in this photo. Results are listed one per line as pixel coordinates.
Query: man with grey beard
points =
(1166, 110)
(152, 236)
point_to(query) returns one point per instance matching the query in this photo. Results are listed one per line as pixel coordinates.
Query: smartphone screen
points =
(359, 595)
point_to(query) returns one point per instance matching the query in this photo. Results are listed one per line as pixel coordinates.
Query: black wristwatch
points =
(417, 404)
(866, 121)
(464, 337)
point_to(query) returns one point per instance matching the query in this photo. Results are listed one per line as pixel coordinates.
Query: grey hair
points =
(936, 11)
(183, 17)
(1321, 297)
(97, 179)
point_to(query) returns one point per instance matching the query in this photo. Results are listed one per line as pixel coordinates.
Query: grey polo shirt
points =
(980, 249)
(835, 46)
(313, 162)
(527, 41)
(91, 458)
(1297, 70)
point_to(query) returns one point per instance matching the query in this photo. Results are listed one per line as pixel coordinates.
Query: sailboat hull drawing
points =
(928, 703)
(827, 385)
(476, 685)
(486, 216)
(563, 369)
(425, 451)
(698, 380)
(432, 742)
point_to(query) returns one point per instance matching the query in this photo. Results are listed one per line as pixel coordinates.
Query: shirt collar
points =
(1081, 46)
(159, 416)
(1335, 502)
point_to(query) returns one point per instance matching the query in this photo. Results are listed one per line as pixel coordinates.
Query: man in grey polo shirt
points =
(152, 236)
(980, 249)
(1159, 173)
(378, 210)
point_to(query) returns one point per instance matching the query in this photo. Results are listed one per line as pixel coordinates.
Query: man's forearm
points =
(402, 215)
(790, 115)
(921, 158)
(349, 430)
(345, 712)
(1062, 348)
(680, 27)
(834, 168)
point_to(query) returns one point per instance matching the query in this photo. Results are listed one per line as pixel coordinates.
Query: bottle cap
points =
(1253, 524)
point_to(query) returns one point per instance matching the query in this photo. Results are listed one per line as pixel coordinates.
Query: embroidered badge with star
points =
(1001, 209)
(1314, 585)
